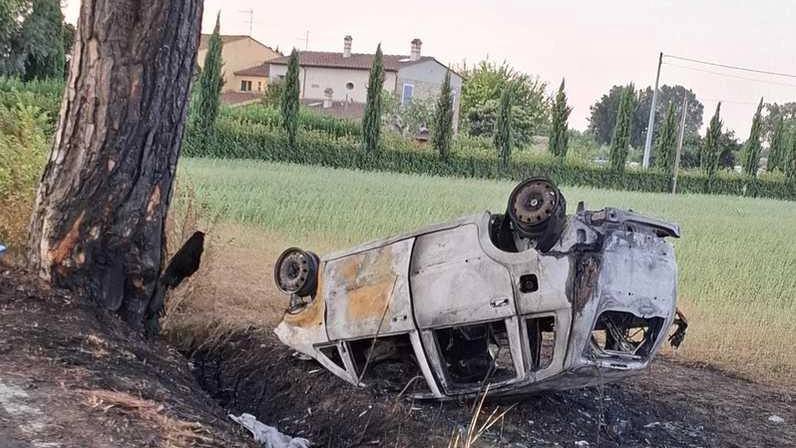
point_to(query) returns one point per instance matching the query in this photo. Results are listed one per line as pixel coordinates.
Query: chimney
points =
(327, 97)
(347, 46)
(415, 54)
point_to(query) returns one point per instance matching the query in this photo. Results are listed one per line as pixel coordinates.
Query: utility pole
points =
(306, 40)
(651, 124)
(250, 12)
(679, 145)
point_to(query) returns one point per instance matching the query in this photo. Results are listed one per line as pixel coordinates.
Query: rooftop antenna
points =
(250, 12)
(306, 40)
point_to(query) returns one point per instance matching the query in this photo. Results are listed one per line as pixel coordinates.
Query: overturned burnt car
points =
(527, 300)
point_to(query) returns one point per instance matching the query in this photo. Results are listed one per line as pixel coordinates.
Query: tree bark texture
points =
(98, 227)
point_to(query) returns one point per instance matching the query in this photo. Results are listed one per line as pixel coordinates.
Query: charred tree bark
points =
(98, 227)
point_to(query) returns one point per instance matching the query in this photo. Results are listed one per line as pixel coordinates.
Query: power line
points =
(723, 102)
(732, 67)
(727, 75)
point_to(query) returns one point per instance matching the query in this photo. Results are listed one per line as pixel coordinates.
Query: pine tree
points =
(620, 142)
(503, 129)
(559, 132)
(41, 42)
(709, 156)
(666, 141)
(790, 159)
(204, 106)
(371, 122)
(777, 152)
(443, 120)
(290, 99)
(751, 156)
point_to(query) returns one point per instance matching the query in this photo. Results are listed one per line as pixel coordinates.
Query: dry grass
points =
(174, 433)
(476, 427)
(232, 290)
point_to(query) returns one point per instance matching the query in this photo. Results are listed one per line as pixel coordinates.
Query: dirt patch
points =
(73, 376)
(672, 405)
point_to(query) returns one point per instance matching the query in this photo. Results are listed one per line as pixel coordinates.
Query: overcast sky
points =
(594, 44)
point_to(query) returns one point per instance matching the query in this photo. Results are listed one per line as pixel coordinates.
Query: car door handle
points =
(498, 302)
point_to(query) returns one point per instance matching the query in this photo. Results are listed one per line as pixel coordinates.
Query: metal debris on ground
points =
(268, 436)
(776, 419)
(526, 300)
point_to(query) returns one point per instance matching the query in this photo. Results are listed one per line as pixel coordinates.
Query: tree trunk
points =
(98, 227)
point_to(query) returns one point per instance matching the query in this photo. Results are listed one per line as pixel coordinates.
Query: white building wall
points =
(427, 78)
(315, 80)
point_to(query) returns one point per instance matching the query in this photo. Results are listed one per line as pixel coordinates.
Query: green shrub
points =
(44, 95)
(24, 139)
(308, 119)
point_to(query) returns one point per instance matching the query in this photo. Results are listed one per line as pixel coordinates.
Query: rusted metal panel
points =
(367, 293)
(638, 275)
(454, 282)
(553, 276)
(305, 329)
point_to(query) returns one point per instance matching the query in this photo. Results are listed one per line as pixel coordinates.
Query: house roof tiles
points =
(357, 61)
(261, 70)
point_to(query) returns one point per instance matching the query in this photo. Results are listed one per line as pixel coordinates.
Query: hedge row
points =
(251, 141)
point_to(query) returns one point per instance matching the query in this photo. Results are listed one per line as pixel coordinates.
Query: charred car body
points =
(527, 300)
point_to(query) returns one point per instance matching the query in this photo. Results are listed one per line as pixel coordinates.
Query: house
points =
(244, 69)
(340, 80)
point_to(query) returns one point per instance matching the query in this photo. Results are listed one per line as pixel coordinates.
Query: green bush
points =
(250, 140)
(44, 95)
(24, 139)
(308, 119)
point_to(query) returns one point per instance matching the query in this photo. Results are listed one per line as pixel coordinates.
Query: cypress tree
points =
(666, 141)
(371, 122)
(777, 151)
(204, 107)
(620, 142)
(751, 156)
(41, 42)
(503, 129)
(559, 133)
(709, 156)
(443, 119)
(790, 159)
(290, 99)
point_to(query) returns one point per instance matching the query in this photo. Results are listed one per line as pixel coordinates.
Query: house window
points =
(349, 85)
(245, 86)
(406, 96)
(259, 86)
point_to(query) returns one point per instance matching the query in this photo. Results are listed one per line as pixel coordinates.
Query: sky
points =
(592, 44)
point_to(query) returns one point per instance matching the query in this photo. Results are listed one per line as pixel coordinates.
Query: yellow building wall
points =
(237, 55)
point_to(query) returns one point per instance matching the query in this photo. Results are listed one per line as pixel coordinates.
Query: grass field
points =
(737, 257)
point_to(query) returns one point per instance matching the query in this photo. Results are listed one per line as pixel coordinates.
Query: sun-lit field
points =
(737, 257)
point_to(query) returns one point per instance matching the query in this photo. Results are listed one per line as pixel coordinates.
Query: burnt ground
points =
(72, 376)
(672, 405)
